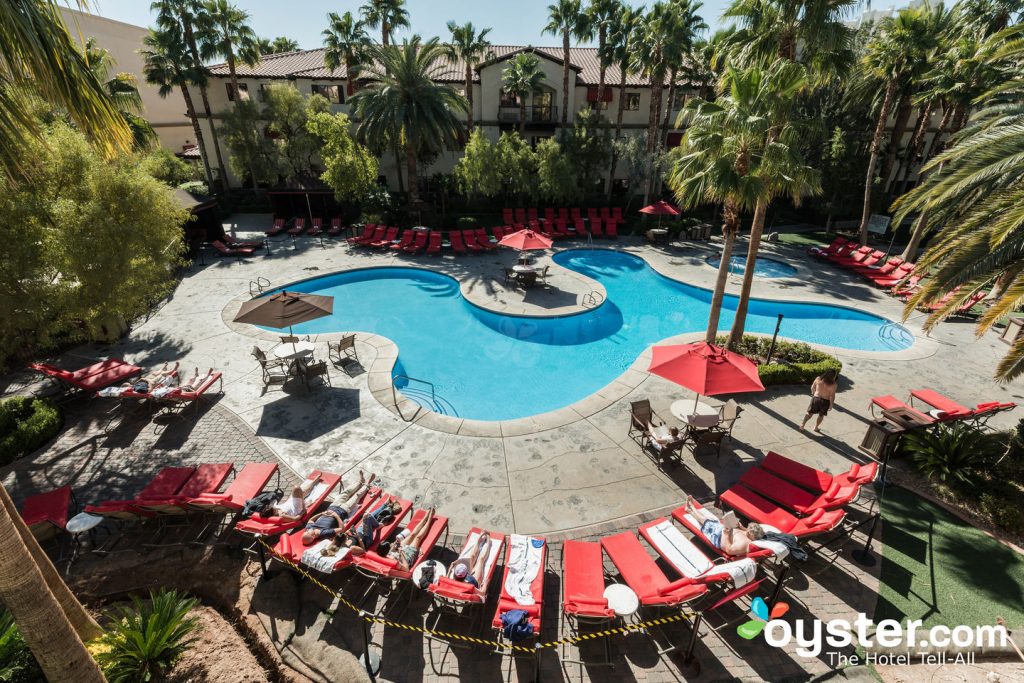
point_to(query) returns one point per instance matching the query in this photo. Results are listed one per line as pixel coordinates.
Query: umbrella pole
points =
(696, 400)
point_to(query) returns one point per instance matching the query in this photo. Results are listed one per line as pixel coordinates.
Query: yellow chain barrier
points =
(629, 628)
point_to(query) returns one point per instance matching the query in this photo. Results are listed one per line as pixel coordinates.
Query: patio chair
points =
(729, 413)
(469, 239)
(640, 416)
(317, 230)
(611, 229)
(293, 339)
(834, 486)
(543, 274)
(180, 399)
(787, 494)
(689, 561)
(549, 214)
(520, 215)
(456, 240)
(206, 479)
(531, 214)
(46, 514)
(235, 243)
(274, 371)
(291, 546)
(390, 235)
(343, 351)
(297, 229)
(316, 370)
(708, 437)
(511, 276)
(937, 401)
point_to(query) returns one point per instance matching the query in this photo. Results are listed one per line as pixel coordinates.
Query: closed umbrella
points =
(285, 309)
(706, 369)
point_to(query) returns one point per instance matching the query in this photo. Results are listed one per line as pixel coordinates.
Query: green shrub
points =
(792, 362)
(953, 453)
(466, 223)
(1005, 514)
(145, 640)
(195, 187)
(17, 664)
(25, 425)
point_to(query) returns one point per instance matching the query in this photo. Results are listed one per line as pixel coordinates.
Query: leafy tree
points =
(278, 45)
(39, 56)
(63, 281)
(686, 26)
(402, 101)
(167, 168)
(518, 165)
(387, 14)
(603, 15)
(123, 92)
(350, 168)
(567, 18)
(587, 147)
(523, 78)
(557, 180)
(287, 112)
(250, 151)
(469, 46)
(345, 42)
(478, 171)
(621, 42)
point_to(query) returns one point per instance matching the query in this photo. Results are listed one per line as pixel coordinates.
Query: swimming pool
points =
(765, 267)
(487, 366)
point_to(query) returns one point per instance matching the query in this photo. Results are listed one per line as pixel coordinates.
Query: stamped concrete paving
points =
(526, 475)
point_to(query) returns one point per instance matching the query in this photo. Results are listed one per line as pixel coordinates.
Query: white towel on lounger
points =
(523, 565)
(313, 557)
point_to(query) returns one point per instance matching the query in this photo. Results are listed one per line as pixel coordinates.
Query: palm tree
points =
(602, 16)
(183, 17)
(687, 25)
(284, 44)
(469, 46)
(898, 53)
(523, 78)
(975, 189)
(387, 14)
(123, 91)
(719, 162)
(402, 102)
(34, 37)
(345, 42)
(568, 20)
(168, 67)
(621, 42)
(649, 59)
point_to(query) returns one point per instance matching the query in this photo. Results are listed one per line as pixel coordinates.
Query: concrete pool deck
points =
(561, 471)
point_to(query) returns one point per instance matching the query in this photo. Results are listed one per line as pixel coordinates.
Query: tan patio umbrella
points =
(285, 309)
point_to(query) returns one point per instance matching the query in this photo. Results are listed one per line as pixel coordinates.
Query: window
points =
(600, 106)
(263, 91)
(679, 101)
(243, 88)
(331, 92)
(632, 101)
(508, 99)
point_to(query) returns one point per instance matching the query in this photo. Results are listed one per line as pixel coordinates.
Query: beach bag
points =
(261, 503)
(516, 626)
(427, 575)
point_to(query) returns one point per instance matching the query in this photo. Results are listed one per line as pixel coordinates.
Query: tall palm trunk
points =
(197, 129)
(602, 36)
(671, 100)
(190, 40)
(876, 142)
(398, 167)
(469, 99)
(43, 620)
(916, 146)
(921, 224)
(238, 101)
(899, 127)
(657, 83)
(730, 226)
(618, 127)
(410, 160)
(385, 33)
(522, 115)
(756, 230)
(565, 75)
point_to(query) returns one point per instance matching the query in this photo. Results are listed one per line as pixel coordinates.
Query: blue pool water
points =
(765, 267)
(487, 366)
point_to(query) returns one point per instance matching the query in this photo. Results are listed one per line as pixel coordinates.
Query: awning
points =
(592, 94)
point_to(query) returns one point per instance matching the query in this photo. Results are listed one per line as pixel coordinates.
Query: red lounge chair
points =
(247, 484)
(642, 574)
(298, 228)
(507, 603)
(843, 251)
(377, 236)
(563, 213)
(593, 214)
(419, 244)
(832, 248)
(206, 479)
(165, 484)
(595, 227)
(92, 377)
(852, 257)
(520, 215)
(889, 402)
(317, 227)
(840, 486)
(469, 239)
(225, 250)
(454, 593)
(531, 214)
(559, 229)
(611, 230)
(583, 582)
(277, 228)
(242, 244)
(574, 213)
(407, 237)
(901, 273)
(580, 227)
(757, 508)
(390, 236)
(291, 546)
(617, 214)
(904, 289)
(180, 398)
(368, 231)
(335, 228)
(483, 240)
(46, 514)
(382, 533)
(790, 495)
(376, 566)
(499, 231)
(507, 216)
(434, 244)
(693, 525)
(939, 402)
(549, 214)
(984, 411)
(869, 263)
(606, 214)
(257, 525)
(884, 272)
(686, 558)
(456, 239)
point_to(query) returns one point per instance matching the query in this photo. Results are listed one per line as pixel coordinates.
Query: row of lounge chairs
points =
(566, 215)
(298, 226)
(940, 408)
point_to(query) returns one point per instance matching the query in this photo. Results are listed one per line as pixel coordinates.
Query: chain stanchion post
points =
(691, 663)
(780, 581)
(371, 660)
(536, 662)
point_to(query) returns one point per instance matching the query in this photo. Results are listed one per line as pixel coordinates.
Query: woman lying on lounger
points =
(407, 546)
(326, 524)
(733, 541)
(358, 540)
(294, 507)
(164, 377)
(473, 569)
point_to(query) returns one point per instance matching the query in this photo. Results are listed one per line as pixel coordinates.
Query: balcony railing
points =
(534, 114)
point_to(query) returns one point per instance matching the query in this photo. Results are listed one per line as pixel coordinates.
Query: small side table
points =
(82, 523)
(439, 571)
(621, 599)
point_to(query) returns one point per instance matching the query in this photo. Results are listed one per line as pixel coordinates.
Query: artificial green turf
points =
(804, 239)
(942, 570)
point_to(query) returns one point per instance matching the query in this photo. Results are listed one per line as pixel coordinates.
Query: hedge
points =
(792, 362)
(25, 425)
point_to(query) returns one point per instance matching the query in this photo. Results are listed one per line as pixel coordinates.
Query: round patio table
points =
(524, 269)
(702, 416)
(439, 571)
(293, 350)
(621, 599)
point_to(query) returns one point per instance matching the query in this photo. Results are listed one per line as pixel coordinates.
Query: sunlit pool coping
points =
(385, 354)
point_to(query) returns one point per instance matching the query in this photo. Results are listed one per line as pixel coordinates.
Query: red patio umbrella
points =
(706, 369)
(659, 209)
(525, 240)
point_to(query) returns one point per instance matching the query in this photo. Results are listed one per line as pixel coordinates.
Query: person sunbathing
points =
(165, 376)
(473, 569)
(407, 546)
(733, 541)
(326, 524)
(360, 539)
(293, 508)
(195, 381)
